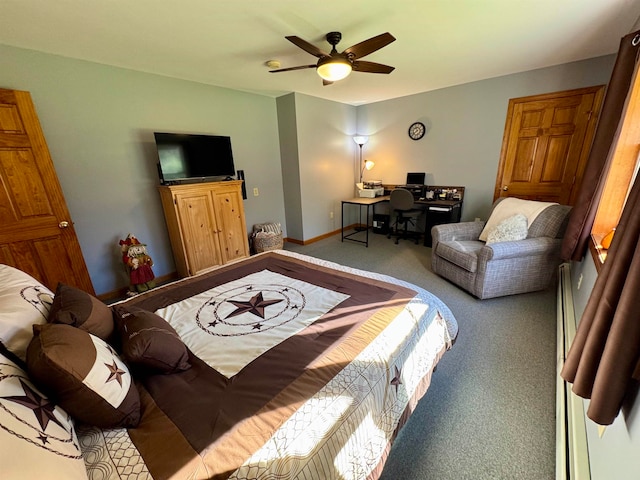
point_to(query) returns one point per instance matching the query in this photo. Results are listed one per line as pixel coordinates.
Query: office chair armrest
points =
(520, 248)
(456, 231)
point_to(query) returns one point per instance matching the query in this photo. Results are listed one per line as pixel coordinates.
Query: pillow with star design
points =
(37, 436)
(84, 375)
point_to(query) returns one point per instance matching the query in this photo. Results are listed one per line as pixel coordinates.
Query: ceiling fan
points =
(335, 66)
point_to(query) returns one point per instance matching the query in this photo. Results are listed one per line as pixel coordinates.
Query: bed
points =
(277, 366)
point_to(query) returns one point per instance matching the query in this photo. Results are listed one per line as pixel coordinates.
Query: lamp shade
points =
(369, 164)
(333, 69)
(360, 139)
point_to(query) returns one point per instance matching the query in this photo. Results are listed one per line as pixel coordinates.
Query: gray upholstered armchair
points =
(502, 268)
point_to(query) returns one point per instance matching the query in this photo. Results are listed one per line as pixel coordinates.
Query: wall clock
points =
(417, 130)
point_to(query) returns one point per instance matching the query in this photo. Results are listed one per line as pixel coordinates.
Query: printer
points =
(370, 189)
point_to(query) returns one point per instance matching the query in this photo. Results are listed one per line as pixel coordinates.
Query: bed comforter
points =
(325, 401)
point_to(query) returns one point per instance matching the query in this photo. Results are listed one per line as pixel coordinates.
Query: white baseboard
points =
(572, 454)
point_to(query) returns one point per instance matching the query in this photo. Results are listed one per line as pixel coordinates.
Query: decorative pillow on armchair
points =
(37, 436)
(510, 206)
(509, 229)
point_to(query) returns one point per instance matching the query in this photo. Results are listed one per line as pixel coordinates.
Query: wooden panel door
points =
(199, 229)
(36, 230)
(546, 144)
(231, 222)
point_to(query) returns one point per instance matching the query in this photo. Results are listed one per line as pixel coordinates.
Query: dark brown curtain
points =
(604, 359)
(583, 213)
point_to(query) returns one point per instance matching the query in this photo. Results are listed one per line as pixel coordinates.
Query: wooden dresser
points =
(206, 224)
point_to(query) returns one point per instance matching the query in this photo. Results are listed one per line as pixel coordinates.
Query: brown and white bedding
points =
(297, 368)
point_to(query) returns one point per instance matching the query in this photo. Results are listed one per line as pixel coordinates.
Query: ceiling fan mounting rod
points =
(334, 38)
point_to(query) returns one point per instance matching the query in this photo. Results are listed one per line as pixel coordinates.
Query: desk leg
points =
(366, 243)
(342, 216)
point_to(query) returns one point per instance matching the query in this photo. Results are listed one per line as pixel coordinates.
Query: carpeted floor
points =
(490, 410)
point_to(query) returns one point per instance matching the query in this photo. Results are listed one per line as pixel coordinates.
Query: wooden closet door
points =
(546, 145)
(36, 230)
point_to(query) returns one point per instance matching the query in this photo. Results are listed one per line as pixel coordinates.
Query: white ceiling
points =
(227, 42)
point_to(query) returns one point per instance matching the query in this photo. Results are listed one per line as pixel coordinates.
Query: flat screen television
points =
(188, 158)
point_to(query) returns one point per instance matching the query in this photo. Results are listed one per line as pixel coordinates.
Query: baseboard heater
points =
(572, 455)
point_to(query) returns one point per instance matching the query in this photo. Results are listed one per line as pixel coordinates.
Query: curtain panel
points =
(583, 213)
(604, 359)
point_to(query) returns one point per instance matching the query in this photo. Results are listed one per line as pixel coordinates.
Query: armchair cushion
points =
(456, 231)
(462, 253)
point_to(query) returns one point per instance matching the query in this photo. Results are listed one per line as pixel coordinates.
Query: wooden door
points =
(546, 144)
(36, 230)
(198, 229)
(231, 222)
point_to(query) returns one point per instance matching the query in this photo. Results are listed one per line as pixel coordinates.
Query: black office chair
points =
(401, 202)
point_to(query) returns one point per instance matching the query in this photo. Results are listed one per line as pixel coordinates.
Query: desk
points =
(439, 212)
(369, 203)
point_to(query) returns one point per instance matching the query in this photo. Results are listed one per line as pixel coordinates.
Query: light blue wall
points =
(289, 157)
(326, 161)
(465, 128)
(99, 123)
(317, 162)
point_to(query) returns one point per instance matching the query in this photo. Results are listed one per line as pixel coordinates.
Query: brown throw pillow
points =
(148, 341)
(84, 375)
(77, 308)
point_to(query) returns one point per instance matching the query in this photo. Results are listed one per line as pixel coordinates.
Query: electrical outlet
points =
(255, 191)
(330, 214)
(579, 282)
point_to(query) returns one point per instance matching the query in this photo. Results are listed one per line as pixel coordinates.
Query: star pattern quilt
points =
(276, 366)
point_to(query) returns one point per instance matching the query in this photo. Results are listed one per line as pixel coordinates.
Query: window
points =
(623, 169)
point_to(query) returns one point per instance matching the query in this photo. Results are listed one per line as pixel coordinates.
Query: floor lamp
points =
(360, 141)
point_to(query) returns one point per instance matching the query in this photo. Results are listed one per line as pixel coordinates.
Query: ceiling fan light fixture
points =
(333, 69)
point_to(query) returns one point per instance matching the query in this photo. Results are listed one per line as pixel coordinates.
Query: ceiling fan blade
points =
(362, 49)
(371, 67)
(301, 67)
(306, 46)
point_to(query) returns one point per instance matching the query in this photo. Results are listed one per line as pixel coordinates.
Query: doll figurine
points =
(138, 264)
